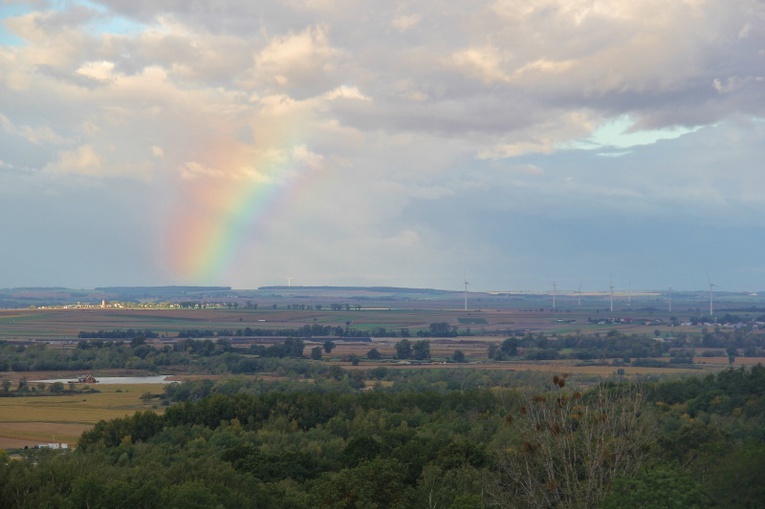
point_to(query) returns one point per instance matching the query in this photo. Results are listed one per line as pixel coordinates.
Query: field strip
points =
(43, 431)
(42, 419)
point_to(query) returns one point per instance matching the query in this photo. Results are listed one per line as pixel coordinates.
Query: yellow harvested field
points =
(43, 419)
(723, 361)
(19, 434)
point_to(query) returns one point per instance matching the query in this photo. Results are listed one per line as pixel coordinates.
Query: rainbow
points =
(223, 207)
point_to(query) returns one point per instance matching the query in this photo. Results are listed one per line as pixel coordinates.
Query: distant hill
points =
(382, 289)
(155, 290)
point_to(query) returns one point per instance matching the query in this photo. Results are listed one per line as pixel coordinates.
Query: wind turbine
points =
(611, 288)
(466, 285)
(579, 295)
(670, 299)
(289, 280)
(555, 293)
(629, 293)
(711, 295)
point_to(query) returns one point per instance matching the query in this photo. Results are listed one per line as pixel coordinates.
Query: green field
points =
(43, 419)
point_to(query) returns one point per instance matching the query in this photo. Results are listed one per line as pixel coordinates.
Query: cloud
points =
(404, 121)
(292, 59)
(99, 71)
(83, 161)
(36, 135)
(405, 22)
(344, 92)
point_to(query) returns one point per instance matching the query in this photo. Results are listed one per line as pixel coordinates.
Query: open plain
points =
(379, 321)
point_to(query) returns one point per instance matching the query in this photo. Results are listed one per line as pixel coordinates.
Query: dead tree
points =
(571, 446)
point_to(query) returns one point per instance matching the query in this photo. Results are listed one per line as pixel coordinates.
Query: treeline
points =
(439, 329)
(202, 355)
(584, 347)
(615, 345)
(118, 334)
(306, 331)
(692, 443)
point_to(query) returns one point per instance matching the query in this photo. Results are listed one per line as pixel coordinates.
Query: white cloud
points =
(406, 22)
(194, 170)
(82, 161)
(310, 159)
(294, 58)
(101, 70)
(345, 92)
(394, 119)
(36, 135)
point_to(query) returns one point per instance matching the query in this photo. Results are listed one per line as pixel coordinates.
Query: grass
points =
(41, 419)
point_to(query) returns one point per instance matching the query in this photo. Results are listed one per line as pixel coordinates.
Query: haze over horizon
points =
(233, 143)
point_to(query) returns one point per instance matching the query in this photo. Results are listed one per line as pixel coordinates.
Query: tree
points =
(510, 347)
(316, 353)
(441, 329)
(458, 356)
(373, 354)
(403, 349)
(735, 480)
(732, 353)
(57, 387)
(572, 446)
(293, 347)
(375, 484)
(661, 487)
(7, 385)
(329, 346)
(421, 350)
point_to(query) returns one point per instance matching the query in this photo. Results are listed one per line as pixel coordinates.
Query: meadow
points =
(31, 420)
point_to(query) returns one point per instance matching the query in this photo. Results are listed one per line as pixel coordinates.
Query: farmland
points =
(492, 314)
(26, 421)
(362, 319)
(284, 397)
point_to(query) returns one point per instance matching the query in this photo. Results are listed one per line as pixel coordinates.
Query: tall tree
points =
(573, 446)
(403, 349)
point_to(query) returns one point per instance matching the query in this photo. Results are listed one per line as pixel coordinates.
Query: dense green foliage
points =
(425, 442)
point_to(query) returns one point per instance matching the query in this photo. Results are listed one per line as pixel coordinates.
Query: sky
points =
(424, 143)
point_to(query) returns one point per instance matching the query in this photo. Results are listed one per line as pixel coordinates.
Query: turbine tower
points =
(670, 299)
(466, 285)
(579, 295)
(289, 280)
(711, 295)
(629, 293)
(555, 293)
(611, 288)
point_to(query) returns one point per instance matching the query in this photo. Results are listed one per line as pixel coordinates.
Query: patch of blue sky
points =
(614, 138)
(115, 25)
(8, 38)
(104, 22)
